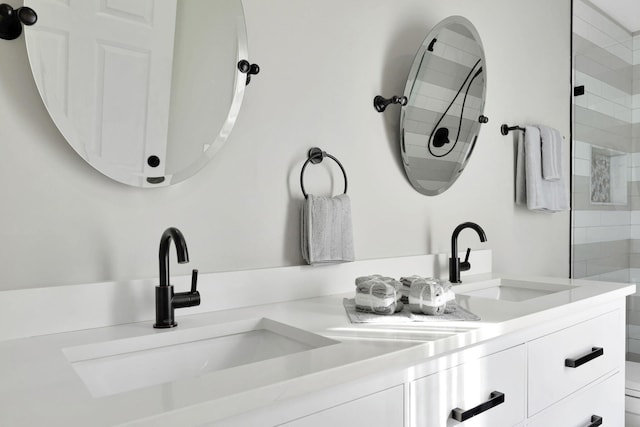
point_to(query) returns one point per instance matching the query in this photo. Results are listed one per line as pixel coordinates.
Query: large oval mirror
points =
(445, 94)
(146, 91)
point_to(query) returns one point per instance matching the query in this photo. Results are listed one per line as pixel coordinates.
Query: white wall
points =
(322, 63)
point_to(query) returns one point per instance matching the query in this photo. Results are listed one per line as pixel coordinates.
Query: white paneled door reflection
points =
(105, 66)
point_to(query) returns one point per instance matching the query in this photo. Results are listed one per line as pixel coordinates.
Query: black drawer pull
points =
(595, 421)
(461, 415)
(574, 363)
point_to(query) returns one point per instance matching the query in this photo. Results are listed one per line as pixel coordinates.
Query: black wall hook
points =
(381, 103)
(249, 69)
(11, 20)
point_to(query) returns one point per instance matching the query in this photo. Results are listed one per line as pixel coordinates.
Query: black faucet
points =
(455, 266)
(166, 300)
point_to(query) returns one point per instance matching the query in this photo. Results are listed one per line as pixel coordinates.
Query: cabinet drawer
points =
(469, 386)
(550, 379)
(605, 400)
(382, 409)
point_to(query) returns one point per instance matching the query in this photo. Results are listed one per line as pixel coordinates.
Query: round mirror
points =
(146, 91)
(445, 103)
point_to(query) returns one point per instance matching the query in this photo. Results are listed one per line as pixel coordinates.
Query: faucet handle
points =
(194, 280)
(466, 265)
(188, 299)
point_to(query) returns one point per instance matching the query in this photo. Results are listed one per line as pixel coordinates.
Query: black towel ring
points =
(316, 156)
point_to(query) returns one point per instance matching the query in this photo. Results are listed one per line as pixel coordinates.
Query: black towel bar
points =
(316, 156)
(505, 129)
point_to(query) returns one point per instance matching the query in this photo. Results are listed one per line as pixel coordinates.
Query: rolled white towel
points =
(377, 296)
(450, 297)
(427, 296)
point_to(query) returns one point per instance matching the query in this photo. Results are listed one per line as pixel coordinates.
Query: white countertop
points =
(40, 387)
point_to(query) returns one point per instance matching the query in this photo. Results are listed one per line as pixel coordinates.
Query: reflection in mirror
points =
(446, 92)
(146, 91)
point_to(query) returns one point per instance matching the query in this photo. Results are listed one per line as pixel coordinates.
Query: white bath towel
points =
(551, 146)
(532, 190)
(326, 230)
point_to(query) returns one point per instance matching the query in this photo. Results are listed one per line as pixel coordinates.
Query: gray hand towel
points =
(532, 189)
(551, 149)
(326, 230)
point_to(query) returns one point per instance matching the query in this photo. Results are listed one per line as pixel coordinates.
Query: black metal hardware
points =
(595, 421)
(455, 266)
(505, 129)
(466, 265)
(578, 90)
(166, 300)
(496, 398)
(433, 42)
(11, 20)
(153, 161)
(380, 103)
(483, 119)
(574, 363)
(249, 69)
(155, 179)
(315, 156)
(439, 136)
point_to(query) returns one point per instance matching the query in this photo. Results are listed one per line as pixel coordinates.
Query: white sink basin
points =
(509, 290)
(117, 366)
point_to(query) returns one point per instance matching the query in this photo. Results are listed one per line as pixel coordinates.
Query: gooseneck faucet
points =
(166, 300)
(455, 266)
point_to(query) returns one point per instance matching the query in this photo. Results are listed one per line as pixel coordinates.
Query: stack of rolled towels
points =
(428, 296)
(378, 294)
(385, 295)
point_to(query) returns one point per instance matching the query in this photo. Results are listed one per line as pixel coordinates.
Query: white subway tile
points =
(607, 234)
(580, 236)
(633, 345)
(623, 113)
(635, 231)
(608, 218)
(587, 218)
(634, 331)
(581, 167)
(582, 150)
(635, 218)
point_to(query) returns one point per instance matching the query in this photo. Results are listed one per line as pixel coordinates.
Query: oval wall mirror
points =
(146, 91)
(445, 94)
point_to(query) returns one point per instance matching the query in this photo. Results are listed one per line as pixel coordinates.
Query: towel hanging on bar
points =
(326, 232)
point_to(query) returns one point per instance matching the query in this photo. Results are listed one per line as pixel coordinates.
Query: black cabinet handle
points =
(461, 415)
(595, 421)
(574, 363)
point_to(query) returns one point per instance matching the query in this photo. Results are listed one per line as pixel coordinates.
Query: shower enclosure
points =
(606, 156)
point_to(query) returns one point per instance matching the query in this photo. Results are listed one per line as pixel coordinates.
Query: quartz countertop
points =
(40, 387)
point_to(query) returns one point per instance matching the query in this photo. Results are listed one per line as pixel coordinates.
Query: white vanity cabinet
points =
(489, 391)
(381, 409)
(565, 371)
(563, 362)
(604, 400)
(373, 402)
(571, 375)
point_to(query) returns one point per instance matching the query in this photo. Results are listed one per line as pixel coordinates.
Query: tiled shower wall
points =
(606, 230)
(606, 156)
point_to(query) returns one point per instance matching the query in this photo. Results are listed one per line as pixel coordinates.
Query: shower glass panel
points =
(606, 156)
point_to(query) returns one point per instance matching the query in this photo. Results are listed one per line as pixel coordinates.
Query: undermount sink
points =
(113, 367)
(509, 290)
